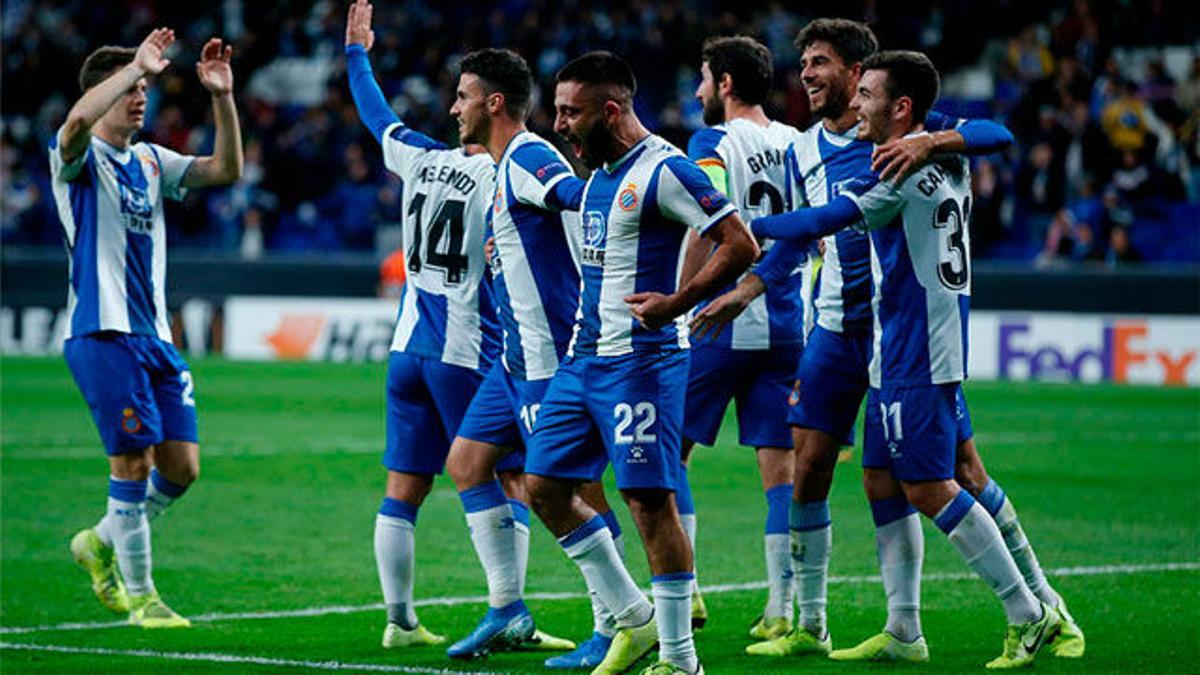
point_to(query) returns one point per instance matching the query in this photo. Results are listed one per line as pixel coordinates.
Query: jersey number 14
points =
(449, 217)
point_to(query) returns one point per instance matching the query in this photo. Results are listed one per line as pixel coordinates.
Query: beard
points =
(714, 111)
(836, 101)
(599, 146)
(477, 133)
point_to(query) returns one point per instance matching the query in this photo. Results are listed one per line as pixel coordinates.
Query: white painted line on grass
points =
(206, 657)
(569, 595)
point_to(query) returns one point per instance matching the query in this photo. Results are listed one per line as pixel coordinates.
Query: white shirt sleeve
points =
(61, 170)
(404, 150)
(174, 167)
(686, 195)
(879, 201)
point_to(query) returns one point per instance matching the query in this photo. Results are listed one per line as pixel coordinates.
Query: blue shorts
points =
(913, 431)
(138, 386)
(627, 410)
(830, 383)
(758, 380)
(426, 401)
(503, 413)
(963, 416)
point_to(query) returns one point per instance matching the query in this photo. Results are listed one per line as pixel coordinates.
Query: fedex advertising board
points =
(1060, 347)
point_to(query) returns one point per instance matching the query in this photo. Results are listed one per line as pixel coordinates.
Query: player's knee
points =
(131, 465)
(929, 497)
(513, 484)
(408, 487)
(969, 471)
(545, 496)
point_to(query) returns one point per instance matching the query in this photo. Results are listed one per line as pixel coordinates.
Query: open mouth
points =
(577, 147)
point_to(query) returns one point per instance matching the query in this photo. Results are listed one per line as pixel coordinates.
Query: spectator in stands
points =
(1124, 118)
(1120, 248)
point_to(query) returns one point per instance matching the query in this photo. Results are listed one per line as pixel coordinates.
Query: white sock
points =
(812, 541)
(493, 534)
(1022, 553)
(160, 494)
(130, 533)
(603, 621)
(975, 535)
(689, 528)
(778, 551)
(395, 558)
(673, 609)
(590, 547)
(104, 530)
(520, 541)
(777, 548)
(901, 548)
(492, 525)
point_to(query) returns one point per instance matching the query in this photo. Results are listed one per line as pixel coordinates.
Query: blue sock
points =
(520, 511)
(482, 497)
(779, 500)
(889, 510)
(610, 519)
(991, 497)
(952, 513)
(808, 516)
(683, 494)
(395, 508)
(166, 487)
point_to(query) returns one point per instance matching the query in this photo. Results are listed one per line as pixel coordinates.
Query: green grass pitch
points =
(1104, 478)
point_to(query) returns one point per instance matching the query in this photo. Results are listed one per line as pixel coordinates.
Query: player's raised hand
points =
(897, 158)
(213, 69)
(358, 25)
(149, 57)
(652, 310)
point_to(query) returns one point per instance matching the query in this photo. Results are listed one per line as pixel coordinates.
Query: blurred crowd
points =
(1103, 96)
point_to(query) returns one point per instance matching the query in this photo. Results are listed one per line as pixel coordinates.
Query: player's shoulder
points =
(400, 132)
(704, 142)
(532, 152)
(780, 132)
(940, 174)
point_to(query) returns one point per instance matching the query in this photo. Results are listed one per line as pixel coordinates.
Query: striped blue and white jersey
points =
(447, 311)
(921, 265)
(759, 184)
(110, 202)
(825, 163)
(535, 267)
(636, 213)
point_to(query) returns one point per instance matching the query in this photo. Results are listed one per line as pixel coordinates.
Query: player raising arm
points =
(921, 267)
(109, 192)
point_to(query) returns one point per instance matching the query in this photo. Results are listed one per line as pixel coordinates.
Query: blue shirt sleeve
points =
(537, 169)
(982, 137)
(567, 194)
(703, 144)
(780, 261)
(808, 225)
(373, 108)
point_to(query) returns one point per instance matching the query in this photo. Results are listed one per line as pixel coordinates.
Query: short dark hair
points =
(746, 60)
(852, 40)
(502, 71)
(603, 68)
(100, 64)
(909, 74)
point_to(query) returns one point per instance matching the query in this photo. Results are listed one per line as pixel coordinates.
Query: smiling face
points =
(128, 114)
(583, 117)
(471, 110)
(707, 93)
(829, 80)
(874, 108)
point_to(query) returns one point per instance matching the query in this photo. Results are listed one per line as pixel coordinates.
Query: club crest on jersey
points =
(594, 233)
(628, 199)
(130, 423)
(136, 209)
(150, 163)
(498, 202)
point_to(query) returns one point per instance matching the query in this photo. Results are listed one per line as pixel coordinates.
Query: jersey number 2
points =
(452, 262)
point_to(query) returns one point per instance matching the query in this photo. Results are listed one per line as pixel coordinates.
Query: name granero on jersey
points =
(459, 180)
(761, 160)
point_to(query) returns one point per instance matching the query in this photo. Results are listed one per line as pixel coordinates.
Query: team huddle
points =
(552, 327)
